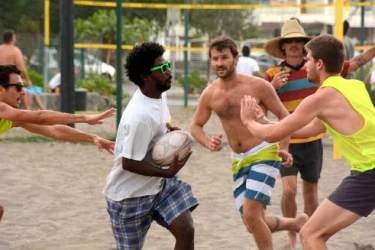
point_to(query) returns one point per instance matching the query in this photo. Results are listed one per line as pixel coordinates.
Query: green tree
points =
(234, 23)
(101, 27)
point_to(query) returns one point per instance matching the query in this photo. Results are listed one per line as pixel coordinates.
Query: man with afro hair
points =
(137, 191)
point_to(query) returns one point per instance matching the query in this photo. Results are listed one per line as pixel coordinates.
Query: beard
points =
(228, 73)
(165, 85)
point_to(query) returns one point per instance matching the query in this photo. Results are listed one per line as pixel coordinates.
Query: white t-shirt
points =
(142, 124)
(247, 65)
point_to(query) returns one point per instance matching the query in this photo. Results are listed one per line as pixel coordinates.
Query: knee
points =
(186, 231)
(251, 221)
(307, 236)
(290, 192)
(303, 235)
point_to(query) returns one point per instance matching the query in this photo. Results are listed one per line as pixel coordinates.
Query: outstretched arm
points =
(314, 128)
(360, 60)
(273, 104)
(304, 114)
(47, 117)
(66, 133)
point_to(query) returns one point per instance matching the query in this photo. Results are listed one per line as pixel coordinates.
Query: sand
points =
(52, 194)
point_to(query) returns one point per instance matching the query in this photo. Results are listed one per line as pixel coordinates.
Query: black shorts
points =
(356, 193)
(307, 160)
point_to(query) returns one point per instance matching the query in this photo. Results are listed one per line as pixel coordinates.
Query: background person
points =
(247, 65)
(32, 94)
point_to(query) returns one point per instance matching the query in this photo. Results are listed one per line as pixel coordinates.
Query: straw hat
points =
(290, 29)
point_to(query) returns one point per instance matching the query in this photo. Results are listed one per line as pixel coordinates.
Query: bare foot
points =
(301, 220)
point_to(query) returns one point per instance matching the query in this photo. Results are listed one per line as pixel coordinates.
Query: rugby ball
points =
(168, 145)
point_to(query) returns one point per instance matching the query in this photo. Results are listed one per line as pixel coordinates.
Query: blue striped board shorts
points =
(131, 218)
(254, 174)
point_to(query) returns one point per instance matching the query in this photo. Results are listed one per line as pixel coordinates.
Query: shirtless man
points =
(11, 54)
(255, 163)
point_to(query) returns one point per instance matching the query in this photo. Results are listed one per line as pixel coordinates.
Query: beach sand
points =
(52, 194)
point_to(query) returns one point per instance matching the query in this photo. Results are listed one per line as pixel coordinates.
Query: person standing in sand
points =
(289, 79)
(343, 107)
(255, 163)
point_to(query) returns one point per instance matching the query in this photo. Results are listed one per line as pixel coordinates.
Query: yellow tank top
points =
(359, 148)
(5, 125)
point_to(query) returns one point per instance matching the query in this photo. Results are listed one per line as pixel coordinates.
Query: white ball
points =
(168, 145)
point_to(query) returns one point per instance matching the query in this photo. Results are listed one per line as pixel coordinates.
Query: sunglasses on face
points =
(18, 86)
(296, 40)
(163, 68)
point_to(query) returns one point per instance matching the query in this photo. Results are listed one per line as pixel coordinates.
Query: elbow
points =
(41, 118)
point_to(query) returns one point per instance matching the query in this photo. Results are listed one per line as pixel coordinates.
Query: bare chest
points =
(227, 104)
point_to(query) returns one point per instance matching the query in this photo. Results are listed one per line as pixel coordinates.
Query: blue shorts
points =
(33, 90)
(131, 218)
(255, 173)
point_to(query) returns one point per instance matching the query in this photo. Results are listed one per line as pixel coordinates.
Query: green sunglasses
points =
(163, 68)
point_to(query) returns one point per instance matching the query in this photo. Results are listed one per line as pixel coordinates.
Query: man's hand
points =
(280, 79)
(176, 165)
(287, 158)
(98, 119)
(249, 109)
(170, 128)
(104, 144)
(214, 143)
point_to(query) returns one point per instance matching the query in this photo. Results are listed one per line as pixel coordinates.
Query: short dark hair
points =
(5, 71)
(141, 59)
(328, 49)
(346, 27)
(246, 50)
(223, 42)
(8, 36)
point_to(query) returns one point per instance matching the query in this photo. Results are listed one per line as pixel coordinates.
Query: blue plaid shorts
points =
(131, 218)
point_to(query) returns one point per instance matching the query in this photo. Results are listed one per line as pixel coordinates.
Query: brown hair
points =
(328, 49)
(223, 42)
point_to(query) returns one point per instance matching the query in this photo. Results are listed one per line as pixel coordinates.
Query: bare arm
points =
(47, 117)
(308, 110)
(273, 104)
(66, 133)
(21, 65)
(314, 128)
(200, 118)
(148, 169)
(360, 60)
